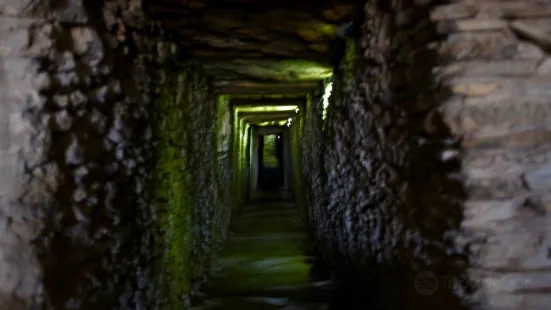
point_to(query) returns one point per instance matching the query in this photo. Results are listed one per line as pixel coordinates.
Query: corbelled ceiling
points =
(255, 46)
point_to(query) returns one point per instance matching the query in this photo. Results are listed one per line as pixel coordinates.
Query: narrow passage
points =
(264, 264)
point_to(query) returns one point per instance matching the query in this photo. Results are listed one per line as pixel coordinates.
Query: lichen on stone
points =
(192, 180)
(172, 196)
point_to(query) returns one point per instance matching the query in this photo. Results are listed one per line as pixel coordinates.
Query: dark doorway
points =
(270, 162)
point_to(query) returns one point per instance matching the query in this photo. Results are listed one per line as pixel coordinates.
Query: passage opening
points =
(270, 162)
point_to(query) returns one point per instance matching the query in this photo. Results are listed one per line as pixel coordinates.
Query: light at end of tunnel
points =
(296, 110)
(288, 124)
(278, 137)
(290, 119)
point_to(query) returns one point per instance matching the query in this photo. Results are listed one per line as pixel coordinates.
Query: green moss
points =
(223, 132)
(235, 158)
(244, 147)
(350, 58)
(192, 219)
(239, 160)
(172, 196)
(297, 131)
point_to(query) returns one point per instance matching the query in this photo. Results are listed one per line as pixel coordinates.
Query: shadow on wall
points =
(394, 202)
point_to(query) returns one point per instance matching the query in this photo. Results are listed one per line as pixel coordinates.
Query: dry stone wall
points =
(192, 181)
(80, 206)
(435, 156)
(500, 79)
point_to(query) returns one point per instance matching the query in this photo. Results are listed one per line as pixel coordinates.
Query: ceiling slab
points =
(267, 116)
(268, 70)
(252, 88)
(260, 101)
(243, 42)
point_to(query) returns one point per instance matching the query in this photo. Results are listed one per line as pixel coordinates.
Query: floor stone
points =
(265, 264)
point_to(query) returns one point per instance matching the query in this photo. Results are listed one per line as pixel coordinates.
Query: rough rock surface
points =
(22, 185)
(192, 180)
(498, 74)
(435, 157)
(257, 41)
(78, 213)
(427, 184)
(266, 264)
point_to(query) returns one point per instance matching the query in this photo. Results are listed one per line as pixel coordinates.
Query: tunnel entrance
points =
(149, 146)
(270, 162)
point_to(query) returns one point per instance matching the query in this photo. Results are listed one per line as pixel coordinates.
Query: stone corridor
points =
(406, 145)
(266, 264)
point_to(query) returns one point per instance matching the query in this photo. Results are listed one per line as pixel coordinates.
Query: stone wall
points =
(192, 181)
(500, 76)
(241, 147)
(435, 155)
(310, 192)
(22, 149)
(84, 225)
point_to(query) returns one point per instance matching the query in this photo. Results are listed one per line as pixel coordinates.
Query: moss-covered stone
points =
(191, 181)
(173, 194)
(264, 257)
(296, 134)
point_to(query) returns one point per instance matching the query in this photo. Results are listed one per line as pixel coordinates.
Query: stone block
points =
(475, 89)
(454, 11)
(515, 9)
(518, 282)
(506, 301)
(502, 88)
(487, 46)
(486, 119)
(15, 33)
(539, 178)
(86, 42)
(544, 68)
(497, 187)
(471, 25)
(488, 68)
(503, 162)
(516, 238)
(516, 140)
(481, 215)
(9, 181)
(17, 7)
(533, 33)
